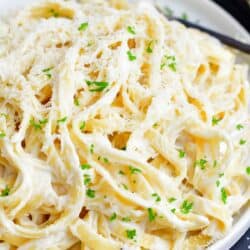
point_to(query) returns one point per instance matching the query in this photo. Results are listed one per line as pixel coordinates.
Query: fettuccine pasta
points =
(118, 130)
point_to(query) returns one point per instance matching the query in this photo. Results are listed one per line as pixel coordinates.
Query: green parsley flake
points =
(239, 126)
(186, 207)
(39, 124)
(2, 135)
(155, 125)
(215, 164)
(87, 179)
(173, 210)
(201, 163)
(184, 16)
(121, 172)
(131, 234)
(131, 57)
(95, 86)
(126, 219)
(76, 102)
(149, 48)
(113, 217)
(151, 214)
(82, 125)
(134, 170)
(92, 146)
(217, 183)
(54, 13)
(168, 12)
(47, 72)
(171, 199)
(85, 166)
(5, 192)
(62, 120)
(169, 61)
(242, 141)
(105, 160)
(215, 120)
(83, 26)
(223, 195)
(4, 115)
(90, 193)
(131, 30)
(157, 197)
(125, 186)
(248, 170)
(221, 174)
(181, 153)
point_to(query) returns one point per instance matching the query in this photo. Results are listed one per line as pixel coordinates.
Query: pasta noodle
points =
(118, 130)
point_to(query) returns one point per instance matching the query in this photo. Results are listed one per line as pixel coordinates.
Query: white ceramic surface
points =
(211, 15)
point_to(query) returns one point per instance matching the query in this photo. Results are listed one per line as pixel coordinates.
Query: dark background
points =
(240, 10)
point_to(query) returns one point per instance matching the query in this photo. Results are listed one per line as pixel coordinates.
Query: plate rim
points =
(228, 15)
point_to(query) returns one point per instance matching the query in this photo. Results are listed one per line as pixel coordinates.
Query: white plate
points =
(211, 15)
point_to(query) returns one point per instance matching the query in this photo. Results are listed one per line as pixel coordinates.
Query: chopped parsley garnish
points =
(186, 207)
(131, 57)
(239, 126)
(201, 163)
(85, 166)
(173, 210)
(54, 13)
(149, 48)
(76, 102)
(215, 164)
(82, 125)
(5, 192)
(83, 26)
(248, 170)
(151, 214)
(4, 115)
(131, 234)
(105, 160)
(242, 141)
(47, 72)
(62, 120)
(168, 12)
(92, 146)
(155, 125)
(2, 135)
(169, 61)
(121, 172)
(126, 219)
(113, 217)
(223, 195)
(87, 179)
(125, 186)
(181, 153)
(131, 30)
(171, 199)
(134, 170)
(217, 183)
(39, 124)
(95, 86)
(184, 16)
(221, 174)
(215, 120)
(157, 197)
(90, 193)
